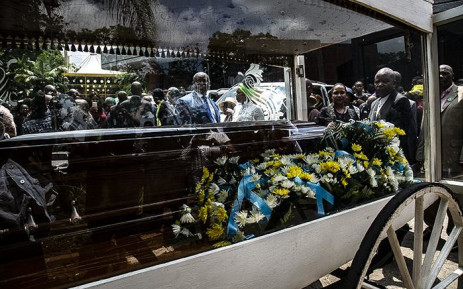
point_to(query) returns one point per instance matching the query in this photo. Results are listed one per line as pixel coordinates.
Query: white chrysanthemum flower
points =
(199, 236)
(255, 177)
(186, 232)
(392, 179)
(262, 166)
(308, 192)
(287, 184)
(250, 170)
(232, 181)
(268, 153)
(278, 179)
(372, 174)
(187, 218)
(176, 229)
(234, 160)
(408, 173)
(286, 160)
(353, 170)
(239, 236)
(241, 218)
(222, 196)
(256, 216)
(311, 159)
(186, 208)
(221, 161)
(272, 201)
(360, 167)
(213, 189)
(317, 168)
(221, 181)
(345, 162)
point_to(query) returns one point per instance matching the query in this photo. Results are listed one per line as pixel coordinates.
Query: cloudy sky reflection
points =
(181, 23)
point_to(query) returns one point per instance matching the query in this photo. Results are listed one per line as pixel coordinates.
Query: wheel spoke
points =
(443, 256)
(418, 241)
(369, 286)
(449, 279)
(435, 236)
(395, 245)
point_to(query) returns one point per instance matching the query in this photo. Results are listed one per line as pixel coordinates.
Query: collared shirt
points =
(444, 95)
(382, 101)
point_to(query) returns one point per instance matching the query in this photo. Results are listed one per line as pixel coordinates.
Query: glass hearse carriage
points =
(82, 205)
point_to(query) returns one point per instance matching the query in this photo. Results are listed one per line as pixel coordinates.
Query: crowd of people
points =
(50, 111)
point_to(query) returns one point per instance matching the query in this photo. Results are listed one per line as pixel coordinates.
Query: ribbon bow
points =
(245, 188)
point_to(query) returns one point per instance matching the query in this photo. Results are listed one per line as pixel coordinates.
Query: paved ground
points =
(389, 276)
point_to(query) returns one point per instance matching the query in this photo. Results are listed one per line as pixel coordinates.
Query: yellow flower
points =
(389, 133)
(205, 174)
(356, 147)
(330, 166)
(380, 125)
(344, 182)
(294, 171)
(201, 196)
(221, 244)
(300, 156)
(255, 160)
(360, 156)
(203, 214)
(221, 214)
(391, 151)
(325, 154)
(198, 186)
(306, 176)
(215, 232)
(366, 164)
(376, 162)
(399, 131)
(280, 191)
(275, 164)
(346, 173)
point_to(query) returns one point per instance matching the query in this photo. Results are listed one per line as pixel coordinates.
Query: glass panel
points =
(106, 132)
(450, 38)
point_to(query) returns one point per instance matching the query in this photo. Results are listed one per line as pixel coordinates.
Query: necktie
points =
(208, 109)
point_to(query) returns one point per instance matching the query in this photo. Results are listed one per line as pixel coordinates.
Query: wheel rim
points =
(424, 270)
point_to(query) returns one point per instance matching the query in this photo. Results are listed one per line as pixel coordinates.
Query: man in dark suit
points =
(391, 106)
(196, 107)
(451, 122)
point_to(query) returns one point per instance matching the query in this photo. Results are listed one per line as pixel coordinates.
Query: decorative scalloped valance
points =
(242, 31)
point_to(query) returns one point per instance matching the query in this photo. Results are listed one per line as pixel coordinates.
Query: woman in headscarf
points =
(249, 111)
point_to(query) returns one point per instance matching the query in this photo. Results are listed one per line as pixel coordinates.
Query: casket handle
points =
(30, 226)
(75, 217)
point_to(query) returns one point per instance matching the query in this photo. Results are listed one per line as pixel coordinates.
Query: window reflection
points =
(451, 93)
(116, 121)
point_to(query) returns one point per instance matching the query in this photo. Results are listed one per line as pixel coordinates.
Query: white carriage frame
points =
(241, 265)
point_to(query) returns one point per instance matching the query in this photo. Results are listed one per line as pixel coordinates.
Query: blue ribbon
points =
(339, 153)
(365, 126)
(245, 188)
(320, 194)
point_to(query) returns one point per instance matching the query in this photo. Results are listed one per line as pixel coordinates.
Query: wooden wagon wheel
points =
(404, 206)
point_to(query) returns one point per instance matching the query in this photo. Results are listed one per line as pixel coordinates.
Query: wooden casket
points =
(98, 203)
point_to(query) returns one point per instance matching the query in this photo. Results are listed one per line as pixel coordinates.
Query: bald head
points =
(136, 88)
(201, 81)
(445, 76)
(384, 82)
